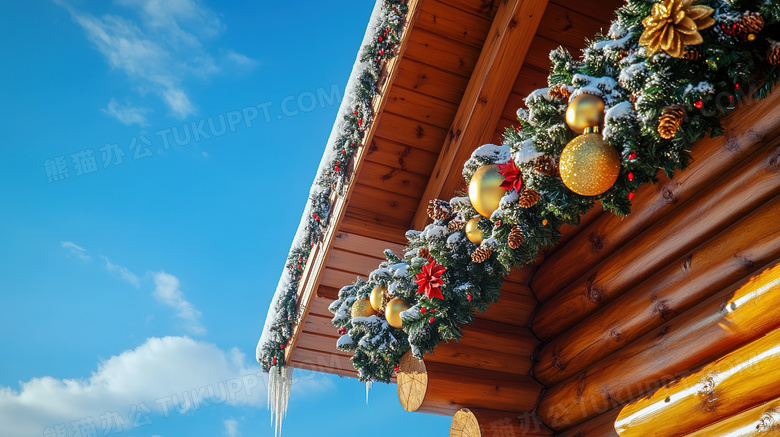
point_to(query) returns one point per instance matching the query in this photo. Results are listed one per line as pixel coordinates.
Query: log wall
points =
(667, 322)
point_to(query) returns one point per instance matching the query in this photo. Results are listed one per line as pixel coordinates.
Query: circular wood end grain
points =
(412, 382)
(464, 424)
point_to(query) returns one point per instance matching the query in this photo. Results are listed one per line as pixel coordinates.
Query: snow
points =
(621, 111)
(604, 87)
(433, 231)
(344, 341)
(613, 44)
(630, 73)
(702, 88)
(353, 84)
(540, 93)
(527, 152)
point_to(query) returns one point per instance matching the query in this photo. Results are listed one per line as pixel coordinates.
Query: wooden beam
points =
(694, 276)
(761, 421)
(742, 379)
(401, 156)
(747, 187)
(451, 22)
(724, 322)
(491, 82)
(431, 80)
(430, 388)
(748, 126)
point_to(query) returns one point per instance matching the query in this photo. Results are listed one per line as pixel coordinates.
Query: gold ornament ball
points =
(362, 308)
(485, 190)
(472, 231)
(393, 312)
(589, 166)
(377, 297)
(584, 111)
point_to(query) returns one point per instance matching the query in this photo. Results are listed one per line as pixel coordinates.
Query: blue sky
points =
(157, 158)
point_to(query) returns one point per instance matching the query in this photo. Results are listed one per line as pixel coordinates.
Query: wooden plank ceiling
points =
(433, 83)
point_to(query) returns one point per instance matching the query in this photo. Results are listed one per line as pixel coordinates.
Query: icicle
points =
(279, 384)
(368, 388)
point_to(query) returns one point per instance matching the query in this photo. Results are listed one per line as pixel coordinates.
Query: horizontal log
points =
(569, 27)
(447, 54)
(402, 156)
(489, 346)
(440, 388)
(361, 244)
(421, 107)
(600, 426)
(404, 130)
(742, 379)
(316, 361)
(761, 421)
(471, 422)
(721, 261)
(731, 197)
(751, 124)
(721, 324)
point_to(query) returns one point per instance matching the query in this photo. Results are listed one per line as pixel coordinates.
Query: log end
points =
(412, 382)
(465, 424)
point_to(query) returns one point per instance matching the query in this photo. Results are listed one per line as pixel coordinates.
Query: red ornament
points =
(315, 216)
(380, 38)
(431, 320)
(281, 346)
(274, 360)
(423, 310)
(429, 280)
(699, 104)
(395, 368)
(337, 169)
(632, 156)
(342, 330)
(468, 296)
(630, 196)
(512, 176)
(736, 85)
(382, 52)
(355, 112)
(630, 176)
(360, 121)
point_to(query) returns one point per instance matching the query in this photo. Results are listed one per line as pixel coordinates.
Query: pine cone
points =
(546, 165)
(439, 209)
(528, 198)
(750, 24)
(670, 120)
(691, 54)
(773, 54)
(515, 238)
(423, 252)
(559, 92)
(481, 254)
(455, 224)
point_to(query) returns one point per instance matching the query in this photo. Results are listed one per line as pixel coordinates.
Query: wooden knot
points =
(596, 241)
(669, 196)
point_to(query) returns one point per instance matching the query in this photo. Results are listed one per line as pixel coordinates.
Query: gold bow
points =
(673, 25)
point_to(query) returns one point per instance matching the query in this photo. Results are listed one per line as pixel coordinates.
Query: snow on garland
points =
(636, 88)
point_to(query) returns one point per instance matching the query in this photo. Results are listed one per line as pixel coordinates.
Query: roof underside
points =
(457, 83)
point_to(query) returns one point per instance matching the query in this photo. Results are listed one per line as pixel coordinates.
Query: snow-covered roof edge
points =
(386, 17)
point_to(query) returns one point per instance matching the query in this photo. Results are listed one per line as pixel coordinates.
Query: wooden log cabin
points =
(664, 322)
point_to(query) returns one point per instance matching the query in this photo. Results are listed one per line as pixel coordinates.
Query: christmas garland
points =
(638, 98)
(331, 178)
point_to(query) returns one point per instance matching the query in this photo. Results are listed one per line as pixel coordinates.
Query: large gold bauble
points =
(472, 231)
(485, 190)
(393, 312)
(362, 308)
(584, 111)
(377, 297)
(589, 166)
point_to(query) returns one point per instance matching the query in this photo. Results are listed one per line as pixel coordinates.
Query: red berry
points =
(736, 85)
(380, 38)
(431, 320)
(355, 112)
(423, 310)
(468, 296)
(281, 346)
(382, 52)
(630, 196)
(274, 360)
(342, 330)
(395, 368)
(632, 156)
(360, 121)
(630, 176)
(699, 104)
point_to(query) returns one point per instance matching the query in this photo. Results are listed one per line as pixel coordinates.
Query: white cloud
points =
(162, 48)
(76, 250)
(231, 427)
(167, 291)
(127, 114)
(122, 272)
(163, 377)
(170, 374)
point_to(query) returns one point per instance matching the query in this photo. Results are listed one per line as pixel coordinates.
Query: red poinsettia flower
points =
(429, 280)
(512, 176)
